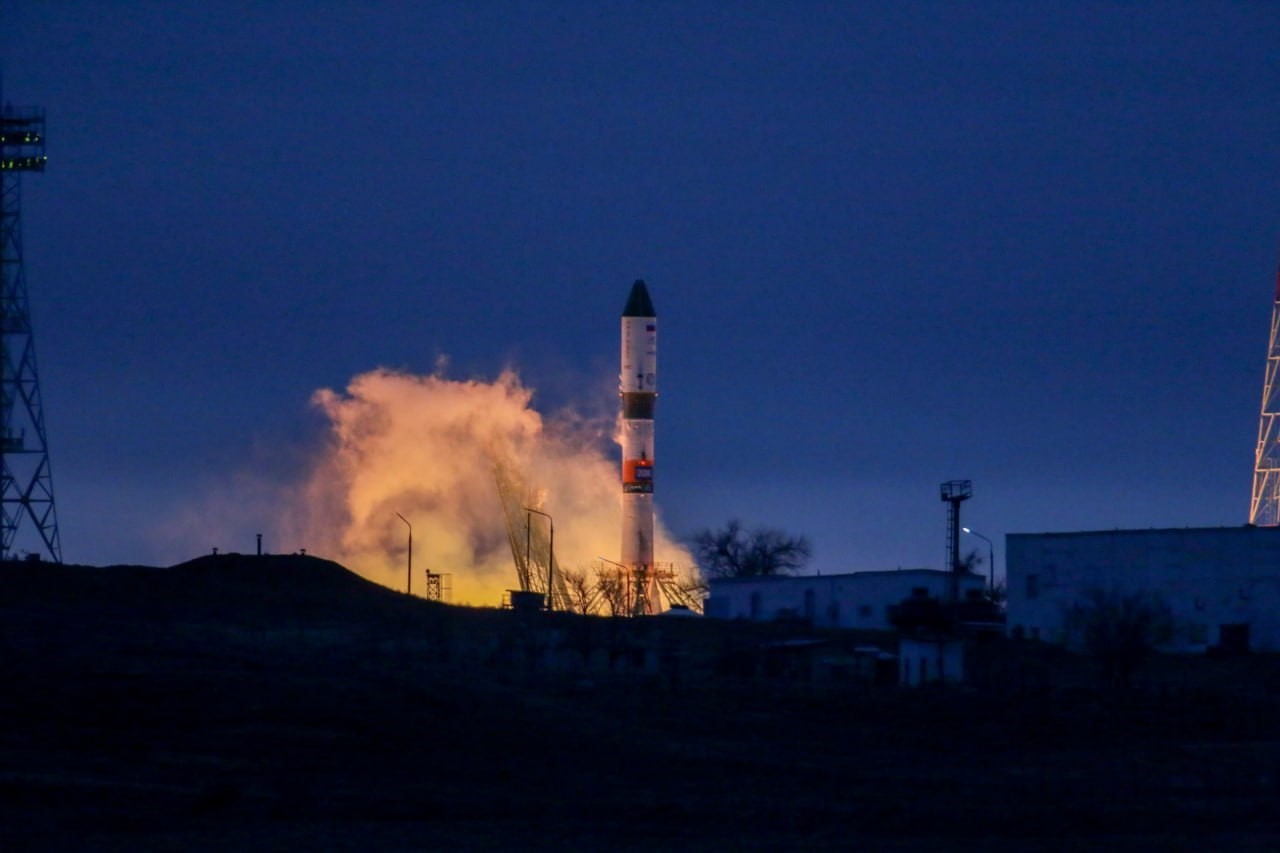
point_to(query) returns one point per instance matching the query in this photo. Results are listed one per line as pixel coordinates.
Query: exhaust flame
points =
(425, 447)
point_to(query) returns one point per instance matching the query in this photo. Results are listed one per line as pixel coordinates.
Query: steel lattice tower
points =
(1264, 509)
(26, 492)
(955, 492)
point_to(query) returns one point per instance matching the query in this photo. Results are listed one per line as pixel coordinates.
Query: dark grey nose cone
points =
(638, 303)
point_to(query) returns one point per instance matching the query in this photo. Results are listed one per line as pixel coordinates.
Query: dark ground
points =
(283, 703)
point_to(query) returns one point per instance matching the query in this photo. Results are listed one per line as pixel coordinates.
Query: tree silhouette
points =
(582, 590)
(1119, 629)
(735, 552)
(611, 591)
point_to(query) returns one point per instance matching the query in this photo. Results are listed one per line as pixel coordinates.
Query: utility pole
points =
(551, 558)
(409, 583)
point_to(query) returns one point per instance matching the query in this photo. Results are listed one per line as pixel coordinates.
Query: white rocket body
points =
(638, 388)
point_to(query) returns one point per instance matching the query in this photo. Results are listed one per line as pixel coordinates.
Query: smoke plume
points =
(425, 447)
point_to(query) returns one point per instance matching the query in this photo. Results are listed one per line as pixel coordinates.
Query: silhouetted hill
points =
(227, 588)
(226, 578)
(301, 583)
(282, 702)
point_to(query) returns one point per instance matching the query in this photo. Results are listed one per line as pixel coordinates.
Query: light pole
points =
(991, 558)
(409, 584)
(623, 593)
(551, 555)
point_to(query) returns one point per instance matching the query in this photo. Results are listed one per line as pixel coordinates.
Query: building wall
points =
(931, 661)
(855, 600)
(1208, 577)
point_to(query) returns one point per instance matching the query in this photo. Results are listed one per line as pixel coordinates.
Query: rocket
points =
(638, 388)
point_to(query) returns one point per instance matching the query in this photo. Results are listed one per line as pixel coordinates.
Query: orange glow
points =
(424, 447)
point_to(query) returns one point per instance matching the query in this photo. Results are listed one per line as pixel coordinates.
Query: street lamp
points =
(409, 585)
(991, 559)
(623, 592)
(551, 555)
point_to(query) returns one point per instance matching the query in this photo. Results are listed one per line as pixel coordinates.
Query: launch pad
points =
(635, 584)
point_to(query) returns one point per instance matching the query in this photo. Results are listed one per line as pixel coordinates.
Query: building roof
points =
(920, 573)
(1147, 531)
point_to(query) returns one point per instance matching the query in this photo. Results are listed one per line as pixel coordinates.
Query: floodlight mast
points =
(955, 492)
(26, 492)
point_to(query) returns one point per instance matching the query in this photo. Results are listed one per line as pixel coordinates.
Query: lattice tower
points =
(530, 541)
(1264, 508)
(955, 492)
(26, 491)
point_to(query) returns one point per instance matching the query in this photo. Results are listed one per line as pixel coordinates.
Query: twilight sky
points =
(890, 244)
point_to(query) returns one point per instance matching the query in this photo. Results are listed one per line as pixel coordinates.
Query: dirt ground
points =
(283, 703)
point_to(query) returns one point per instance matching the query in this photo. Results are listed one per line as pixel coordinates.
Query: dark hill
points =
(292, 573)
(299, 583)
(282, 702)
(281, 590)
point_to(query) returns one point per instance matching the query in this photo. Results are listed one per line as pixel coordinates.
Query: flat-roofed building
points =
(1220, 585)
(854, 600)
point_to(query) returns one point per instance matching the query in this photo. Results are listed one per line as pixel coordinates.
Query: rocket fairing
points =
(638, 388)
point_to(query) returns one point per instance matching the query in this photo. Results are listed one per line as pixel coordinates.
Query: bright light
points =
(428, 444)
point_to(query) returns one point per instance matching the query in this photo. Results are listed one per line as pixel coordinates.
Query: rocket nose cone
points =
(638, 303)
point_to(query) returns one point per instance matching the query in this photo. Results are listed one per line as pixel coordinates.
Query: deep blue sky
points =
(1028, 244)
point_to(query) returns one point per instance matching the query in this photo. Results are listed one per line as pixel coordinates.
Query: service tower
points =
(638, 388)
(1264, 507)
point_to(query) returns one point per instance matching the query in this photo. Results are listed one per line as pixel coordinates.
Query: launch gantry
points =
(1264, 507)
(536, 567)
(629, 592)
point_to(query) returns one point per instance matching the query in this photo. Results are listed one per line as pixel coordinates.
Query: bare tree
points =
(612, 591)
(583, 592)
(1119, 629)
(734, 552)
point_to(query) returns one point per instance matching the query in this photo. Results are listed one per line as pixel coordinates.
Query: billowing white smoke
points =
(424, 447)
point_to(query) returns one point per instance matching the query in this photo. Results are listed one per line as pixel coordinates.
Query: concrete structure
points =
(856, 600)
(1221, 584)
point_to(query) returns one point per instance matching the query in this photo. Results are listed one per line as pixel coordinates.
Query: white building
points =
(856, 600)
(1220, 584)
